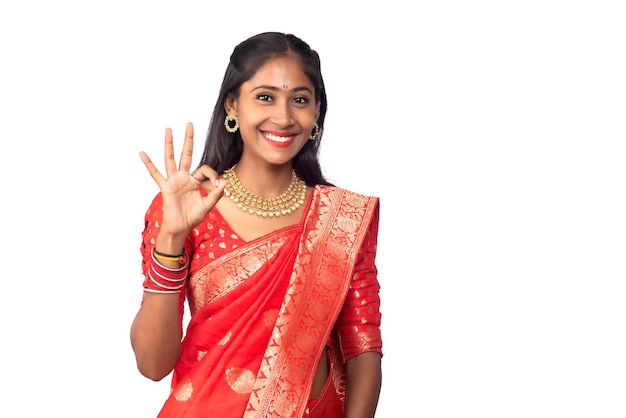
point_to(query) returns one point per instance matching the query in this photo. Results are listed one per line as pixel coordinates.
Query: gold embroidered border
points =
(318, 286)
(225, 273)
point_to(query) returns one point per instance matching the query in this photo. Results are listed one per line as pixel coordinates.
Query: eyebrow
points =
(274, 88)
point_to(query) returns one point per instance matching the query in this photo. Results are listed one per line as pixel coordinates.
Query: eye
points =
(301, 100)
(264, 97)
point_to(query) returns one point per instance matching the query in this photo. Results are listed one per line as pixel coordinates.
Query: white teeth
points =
(275, 138)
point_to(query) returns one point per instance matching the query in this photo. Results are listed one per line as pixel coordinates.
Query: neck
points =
(264, 183)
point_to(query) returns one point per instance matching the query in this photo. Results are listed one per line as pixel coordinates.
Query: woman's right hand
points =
(183, 205)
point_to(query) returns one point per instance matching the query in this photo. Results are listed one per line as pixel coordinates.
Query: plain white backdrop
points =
(493, 132)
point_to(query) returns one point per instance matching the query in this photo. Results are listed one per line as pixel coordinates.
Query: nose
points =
(282, 115)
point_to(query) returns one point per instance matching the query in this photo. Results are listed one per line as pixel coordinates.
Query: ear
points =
(317, 110)
(230, 105)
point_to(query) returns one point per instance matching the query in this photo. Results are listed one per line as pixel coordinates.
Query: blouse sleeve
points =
(358, 324)
(153, 218)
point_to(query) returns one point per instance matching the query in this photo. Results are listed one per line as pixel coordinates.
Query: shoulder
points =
(334, 192)
(348, 203)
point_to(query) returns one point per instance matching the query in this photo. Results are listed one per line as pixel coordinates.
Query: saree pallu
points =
(264, 311)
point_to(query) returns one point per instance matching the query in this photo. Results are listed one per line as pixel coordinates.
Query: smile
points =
(278, 138)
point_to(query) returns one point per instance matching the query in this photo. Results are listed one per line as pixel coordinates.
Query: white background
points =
(492, 131)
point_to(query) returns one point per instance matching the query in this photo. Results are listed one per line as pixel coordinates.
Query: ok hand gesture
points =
(183, 205)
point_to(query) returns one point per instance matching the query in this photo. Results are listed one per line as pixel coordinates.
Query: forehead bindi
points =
(283, 73)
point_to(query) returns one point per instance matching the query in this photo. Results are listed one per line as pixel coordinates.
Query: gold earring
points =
(314, 132)
(231, 123)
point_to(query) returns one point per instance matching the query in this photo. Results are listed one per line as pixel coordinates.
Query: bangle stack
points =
(162, 279)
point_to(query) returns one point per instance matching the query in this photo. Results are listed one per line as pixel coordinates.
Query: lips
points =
(279, 139)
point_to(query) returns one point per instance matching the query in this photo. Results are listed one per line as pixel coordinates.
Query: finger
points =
(170, 161)
(204, 172)
(186, 154)
(154, 172)
(216, 194)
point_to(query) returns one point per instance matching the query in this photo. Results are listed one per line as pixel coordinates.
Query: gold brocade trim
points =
(225, 273)
(319, 284)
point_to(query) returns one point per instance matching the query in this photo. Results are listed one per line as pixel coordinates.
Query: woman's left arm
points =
(359, 330)
(363, 383)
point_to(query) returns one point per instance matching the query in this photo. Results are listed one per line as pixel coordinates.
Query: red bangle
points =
(162, 279)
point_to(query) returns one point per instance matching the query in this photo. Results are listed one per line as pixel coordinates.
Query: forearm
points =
(156, 335)
(156, 330)
(364, 379)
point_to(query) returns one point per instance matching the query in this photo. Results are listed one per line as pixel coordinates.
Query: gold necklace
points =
(284, 204)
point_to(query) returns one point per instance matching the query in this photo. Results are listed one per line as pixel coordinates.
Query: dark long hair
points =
(222, 149)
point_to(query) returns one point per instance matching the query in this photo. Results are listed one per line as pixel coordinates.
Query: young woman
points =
(276, 264)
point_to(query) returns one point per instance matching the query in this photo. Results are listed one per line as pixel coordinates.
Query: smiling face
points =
(276, 109)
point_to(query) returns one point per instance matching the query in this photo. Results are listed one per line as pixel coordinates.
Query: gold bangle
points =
(168, 257)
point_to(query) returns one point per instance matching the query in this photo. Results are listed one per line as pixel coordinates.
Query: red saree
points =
(264, 311)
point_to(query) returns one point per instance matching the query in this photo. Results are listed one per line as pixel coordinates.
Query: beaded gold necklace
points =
(284, 204)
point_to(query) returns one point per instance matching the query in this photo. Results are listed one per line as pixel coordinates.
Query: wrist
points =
(170, 243)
